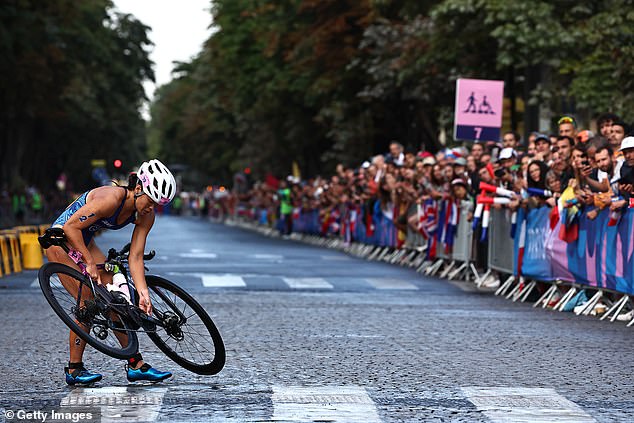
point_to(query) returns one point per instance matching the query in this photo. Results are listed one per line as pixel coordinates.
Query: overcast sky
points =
(179, 28)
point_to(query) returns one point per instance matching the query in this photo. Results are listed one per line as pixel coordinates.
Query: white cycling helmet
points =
(157, 181)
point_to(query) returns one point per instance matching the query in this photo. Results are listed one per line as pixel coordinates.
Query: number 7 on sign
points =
(478, 131)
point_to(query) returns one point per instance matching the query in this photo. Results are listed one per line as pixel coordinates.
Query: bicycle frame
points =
(133, 312)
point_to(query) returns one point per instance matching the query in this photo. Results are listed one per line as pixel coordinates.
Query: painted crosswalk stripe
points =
(222, 281)
(323, 404)
(383, 283)
(307, 283)
(199, 255)
(119, 403)
(506, 405)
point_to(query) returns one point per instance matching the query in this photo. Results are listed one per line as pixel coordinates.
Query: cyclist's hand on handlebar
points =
(93, 272)
(144, 301)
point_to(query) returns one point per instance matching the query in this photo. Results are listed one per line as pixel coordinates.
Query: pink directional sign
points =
(479, 107)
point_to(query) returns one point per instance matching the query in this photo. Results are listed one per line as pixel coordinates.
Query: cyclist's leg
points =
(106, 278)
(58, 255)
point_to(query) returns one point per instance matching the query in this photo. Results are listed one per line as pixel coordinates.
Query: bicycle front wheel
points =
(187, 334)
(100, 326)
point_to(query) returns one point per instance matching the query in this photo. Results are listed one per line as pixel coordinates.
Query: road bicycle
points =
(110, 322)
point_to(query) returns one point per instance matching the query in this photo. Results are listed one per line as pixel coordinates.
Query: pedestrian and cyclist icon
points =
(483, 108)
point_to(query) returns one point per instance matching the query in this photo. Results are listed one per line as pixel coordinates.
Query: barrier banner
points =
(532, 232)
(601, 257)
(501, 245)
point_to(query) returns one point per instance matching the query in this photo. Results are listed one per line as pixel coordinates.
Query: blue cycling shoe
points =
(79, 375)
(146, 373)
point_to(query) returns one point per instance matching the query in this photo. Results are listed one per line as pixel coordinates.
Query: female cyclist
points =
(113, 208)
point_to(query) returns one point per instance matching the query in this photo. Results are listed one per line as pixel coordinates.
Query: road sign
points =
(478, 110)
(98, 163)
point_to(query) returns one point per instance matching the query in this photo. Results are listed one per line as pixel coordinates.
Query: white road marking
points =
(199, 255)
(534, 405)
(336, 258)
(323, 403)
(307, 283)
(384, 283)
(222, 281)
(55, 283)
(119, 403)
(267, 256)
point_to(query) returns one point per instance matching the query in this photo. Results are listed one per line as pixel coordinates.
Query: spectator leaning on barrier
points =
(508, 170)
(565, 144)
(626, 172)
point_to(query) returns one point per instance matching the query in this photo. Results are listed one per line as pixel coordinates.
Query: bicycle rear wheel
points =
(188, 335)
(93, 321)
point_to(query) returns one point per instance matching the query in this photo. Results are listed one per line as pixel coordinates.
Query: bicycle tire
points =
(53, 294)
(163, 339)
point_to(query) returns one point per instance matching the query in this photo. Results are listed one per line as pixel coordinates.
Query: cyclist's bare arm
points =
(98, 205)
(135, 259)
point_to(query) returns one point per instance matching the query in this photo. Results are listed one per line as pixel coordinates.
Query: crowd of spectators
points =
(593, 170)
(597, 168)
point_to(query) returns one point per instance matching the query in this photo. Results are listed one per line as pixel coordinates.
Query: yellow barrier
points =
(32, 257)
(4, 257)
(15, 253)
(19, 248)
(31, 229)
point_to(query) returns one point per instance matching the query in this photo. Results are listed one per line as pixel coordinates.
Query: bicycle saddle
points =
(52, 237)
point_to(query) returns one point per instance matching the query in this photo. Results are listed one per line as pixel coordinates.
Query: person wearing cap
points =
(626, 175)
(459, 167)
(429, 161)
(507, 170)
(542, 148)
(567, 126)
(460, 189)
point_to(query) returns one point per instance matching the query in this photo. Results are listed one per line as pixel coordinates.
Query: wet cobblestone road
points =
(315, 335)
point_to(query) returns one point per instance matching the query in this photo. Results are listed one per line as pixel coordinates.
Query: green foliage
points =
(72, 75)
(312, 81)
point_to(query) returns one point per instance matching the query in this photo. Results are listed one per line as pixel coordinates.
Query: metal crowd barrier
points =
(500, 247)
(547, 257)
